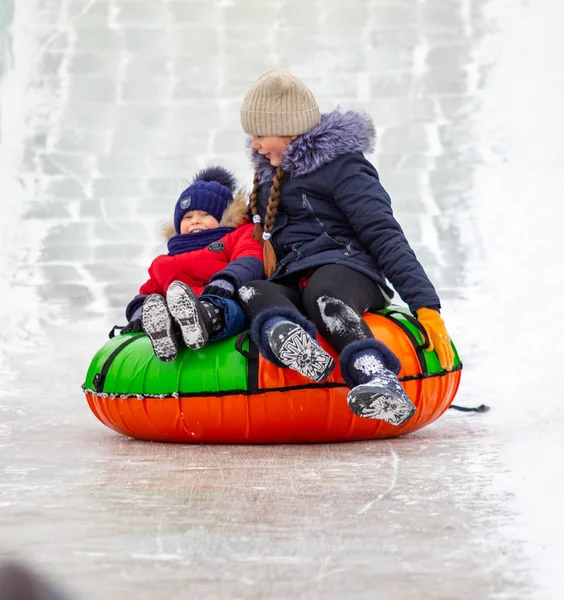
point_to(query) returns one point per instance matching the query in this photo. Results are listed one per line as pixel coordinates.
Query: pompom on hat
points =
(279, 104)
(211, 190)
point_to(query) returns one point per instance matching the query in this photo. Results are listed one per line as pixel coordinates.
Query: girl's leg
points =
(335, 298)
(283, 335)
(256, 297)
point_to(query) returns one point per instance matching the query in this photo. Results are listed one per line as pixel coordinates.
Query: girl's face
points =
(272, 146)
(197, 220)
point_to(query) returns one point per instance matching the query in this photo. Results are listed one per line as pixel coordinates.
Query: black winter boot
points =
(379, 394)
(157, 324)
(188, 312)
(296, 349)
(214, 317)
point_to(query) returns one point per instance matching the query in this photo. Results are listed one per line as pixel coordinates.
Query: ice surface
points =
(107, 109)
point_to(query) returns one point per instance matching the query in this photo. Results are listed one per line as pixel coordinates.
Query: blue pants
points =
(233, 317)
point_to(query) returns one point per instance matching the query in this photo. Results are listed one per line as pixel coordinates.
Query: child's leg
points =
(282, 333)
(335, 299)
(225, 317)
(157, 324)
(189, 314)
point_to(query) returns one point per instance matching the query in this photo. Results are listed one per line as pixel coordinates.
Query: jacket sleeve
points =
(133, 306)
(245, 258)
(151, 287)
(368, 208)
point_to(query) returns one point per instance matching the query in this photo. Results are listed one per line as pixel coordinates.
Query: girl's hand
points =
(439, 339)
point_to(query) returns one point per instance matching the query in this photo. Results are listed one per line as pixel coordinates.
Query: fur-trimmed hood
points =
(340, 132)
(235, 214)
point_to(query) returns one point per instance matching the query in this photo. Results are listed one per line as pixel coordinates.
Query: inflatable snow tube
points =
(227, 393)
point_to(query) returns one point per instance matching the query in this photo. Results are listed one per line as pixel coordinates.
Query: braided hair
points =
(262, 234)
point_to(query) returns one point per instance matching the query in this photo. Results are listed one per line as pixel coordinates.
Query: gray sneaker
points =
(187, 311)
(157, 324)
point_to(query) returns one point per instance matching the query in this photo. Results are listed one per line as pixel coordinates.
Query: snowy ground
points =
(107, 109)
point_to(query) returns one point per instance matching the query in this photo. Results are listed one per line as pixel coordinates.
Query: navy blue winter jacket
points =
(333, 210)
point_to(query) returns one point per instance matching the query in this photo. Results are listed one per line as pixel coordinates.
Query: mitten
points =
(439, 339)
(220, 287)
(134, 326)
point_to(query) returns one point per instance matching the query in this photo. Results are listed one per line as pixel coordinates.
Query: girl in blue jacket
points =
(330, 241)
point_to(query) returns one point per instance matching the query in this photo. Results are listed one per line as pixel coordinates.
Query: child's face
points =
(197, 220)
(272, 146)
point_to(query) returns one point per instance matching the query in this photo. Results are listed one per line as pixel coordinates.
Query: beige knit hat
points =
(279, 104)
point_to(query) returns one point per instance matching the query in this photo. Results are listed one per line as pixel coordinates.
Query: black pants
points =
(334, 299)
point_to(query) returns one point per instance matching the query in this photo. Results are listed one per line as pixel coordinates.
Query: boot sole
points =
(373, 402)
(158, 326)
(185, 308)
(298, 351)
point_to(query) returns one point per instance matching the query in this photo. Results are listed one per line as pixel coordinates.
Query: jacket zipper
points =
(307, 204)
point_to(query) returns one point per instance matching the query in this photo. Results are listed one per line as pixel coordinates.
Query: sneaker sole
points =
(299, 347)
(158, 326)
(372, 402)
(185, 308)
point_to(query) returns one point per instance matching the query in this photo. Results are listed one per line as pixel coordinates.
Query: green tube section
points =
(135, 369)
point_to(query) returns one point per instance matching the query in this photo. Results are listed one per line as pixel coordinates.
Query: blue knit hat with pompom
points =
(211, 190)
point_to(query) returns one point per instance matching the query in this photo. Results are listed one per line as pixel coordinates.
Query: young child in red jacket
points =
(211, 254)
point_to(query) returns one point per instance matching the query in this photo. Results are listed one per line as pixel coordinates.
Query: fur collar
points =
(340, 132)
(235, 214)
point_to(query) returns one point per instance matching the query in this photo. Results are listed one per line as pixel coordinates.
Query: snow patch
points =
(368, 364)
(342, 318)
(246, 294)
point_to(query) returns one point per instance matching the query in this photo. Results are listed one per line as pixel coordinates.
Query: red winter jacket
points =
(226, 258)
